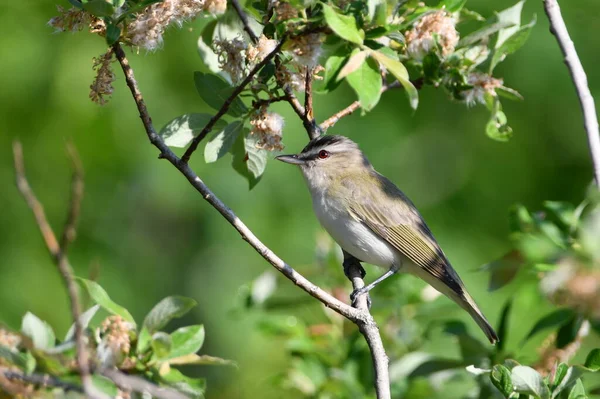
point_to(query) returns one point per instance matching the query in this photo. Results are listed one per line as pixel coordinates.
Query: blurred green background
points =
(151, 235)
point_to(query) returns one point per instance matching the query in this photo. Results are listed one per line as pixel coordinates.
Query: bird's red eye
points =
(323, 154)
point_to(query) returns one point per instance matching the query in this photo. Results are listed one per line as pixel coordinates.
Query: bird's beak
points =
(293, 159)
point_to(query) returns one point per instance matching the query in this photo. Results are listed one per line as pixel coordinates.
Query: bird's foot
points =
(349, 263)
(356, 294)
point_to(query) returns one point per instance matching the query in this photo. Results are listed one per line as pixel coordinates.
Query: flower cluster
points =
(482, 84)
(115, 341)
(421, 39)
(284, 11)
(255, 54)
(146, 31)
(71, 20)
(102, 84)
(268, 126)
(306, 49)
(232, 57)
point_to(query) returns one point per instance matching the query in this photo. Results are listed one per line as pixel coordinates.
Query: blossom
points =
(268, 126)
(116, 340)
(420, 39)
(72, 20)
(482, 84)
(102, 84)
(147, 29)
(293, 75)
(232, 57)
(264, 47)
(306, 49)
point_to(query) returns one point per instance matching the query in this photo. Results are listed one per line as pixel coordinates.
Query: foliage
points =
(116, 341)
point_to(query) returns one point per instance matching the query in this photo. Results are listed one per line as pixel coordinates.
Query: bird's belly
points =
(356, 238)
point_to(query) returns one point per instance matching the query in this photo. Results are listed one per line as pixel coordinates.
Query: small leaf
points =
(16, 358)
(222, 141)
(113, 33)
(99, 8)
(592, 361)
(568, 332)
(198, 360)
(501, 378)
(554, 319)
(207, 54)
(452, 5)
(512, 44)
(509, 93)
(257, 157)
(240, 160)
(342, 25)
(572, 375)
(578, 391)
(559, 374)
(511, 16)
(367, 84)
(503, 325)
(161, 344)
(39, 331)
(166, 310)
(186, 341)
(100, 297)
(497, 127)
(333, 65)
(84, 319)
(504, 270)
(103, 385)
(528, 381)
(193, 387)
(354, 62)
(215, 91)
(180, 131)
(483, 33)
(399, 71)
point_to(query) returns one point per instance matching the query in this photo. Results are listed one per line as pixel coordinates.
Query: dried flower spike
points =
(268, 126)
(482, 84)
(102, 85)
(232, 57)
(420, 40)
(265, 46)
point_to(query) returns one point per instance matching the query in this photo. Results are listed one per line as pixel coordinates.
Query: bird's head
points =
(328, 157)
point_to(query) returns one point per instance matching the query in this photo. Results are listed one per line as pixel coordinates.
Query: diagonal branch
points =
(166, 153)
(559, 29)
(137, 384)
(77, 185)
(225, 107)
(60, 259)
(244, 18)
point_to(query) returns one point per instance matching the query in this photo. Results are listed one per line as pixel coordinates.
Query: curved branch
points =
(590, 119)
(360, 315)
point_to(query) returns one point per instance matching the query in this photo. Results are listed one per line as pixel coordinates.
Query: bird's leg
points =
(364, 290)
(351, 265)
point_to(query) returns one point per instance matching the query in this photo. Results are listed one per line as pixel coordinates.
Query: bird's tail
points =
(468, 304)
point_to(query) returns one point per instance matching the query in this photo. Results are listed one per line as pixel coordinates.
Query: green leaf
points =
(215, 91)
(483, 33)
(333, 65)
(99, 8)
(399, 71)
(568, 332)
(84, 319)
(592, 361)
(511, 16)
(39, 331)
(564, 211)
(504, 270)
(161, 344)
(528, 381)
(503, 325)
(509, 93)
(24, 361)
(553, 319)
(104, 385)
(240, 160)
(559, 374)
(186, 341)
(222, 142)
(452, 5)
(366, 82)
(257, 157)
(100, 297)
(180, 131)
(512, 44)
(572, 375)
(578, 391)
(207, 54)
(113, 33)
(197, 360)
(193, 387)
(354, 62)
(166, 310)
(343, 25)
(76, 3)
(501, 378)
(497, 127)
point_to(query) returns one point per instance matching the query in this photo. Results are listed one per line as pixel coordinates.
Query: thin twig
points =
(77, 189)
(559, 29)
(137, 384)
(225, 107)
(256, 104)
(43, 380)
(166, 153)
(60, 259)
(335, 118)
(244, 18)
(312, 128)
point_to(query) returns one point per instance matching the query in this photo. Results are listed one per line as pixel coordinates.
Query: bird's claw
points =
(356, 294)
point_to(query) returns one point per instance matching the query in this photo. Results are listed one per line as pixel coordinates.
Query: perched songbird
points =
(374, 222)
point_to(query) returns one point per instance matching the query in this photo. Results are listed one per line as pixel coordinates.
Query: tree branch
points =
(312, 128)
(77, 185)
(244, 18)
(44, 380)
(559, 29)
(59, 256)
(225, 107)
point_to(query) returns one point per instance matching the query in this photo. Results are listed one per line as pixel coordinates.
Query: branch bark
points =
(360, 315)
(586, 101)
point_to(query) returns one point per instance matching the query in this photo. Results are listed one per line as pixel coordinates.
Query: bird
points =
(373, 221)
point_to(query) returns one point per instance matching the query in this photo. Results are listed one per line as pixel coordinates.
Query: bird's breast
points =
(351, 234)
